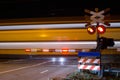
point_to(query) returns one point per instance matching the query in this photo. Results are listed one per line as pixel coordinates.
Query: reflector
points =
(45, 50)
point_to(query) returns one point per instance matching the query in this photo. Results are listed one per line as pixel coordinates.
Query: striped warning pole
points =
(89, 67)
(89, 61)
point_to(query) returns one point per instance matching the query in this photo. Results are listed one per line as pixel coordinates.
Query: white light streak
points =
(51, 45)
(49, 26)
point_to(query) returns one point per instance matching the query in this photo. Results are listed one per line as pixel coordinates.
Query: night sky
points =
(49, 8)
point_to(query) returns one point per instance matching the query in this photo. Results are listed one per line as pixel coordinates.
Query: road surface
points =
(36, 69)
(44, 68)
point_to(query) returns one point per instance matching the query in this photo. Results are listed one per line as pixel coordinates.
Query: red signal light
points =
(101, 29)
(91, 29)
(65, 50)
(27, 50)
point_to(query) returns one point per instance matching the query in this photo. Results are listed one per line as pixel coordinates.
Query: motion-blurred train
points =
(53, 39)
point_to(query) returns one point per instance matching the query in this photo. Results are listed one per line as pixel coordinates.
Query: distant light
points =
(27, 50)
(53, 59)
(65, 50)
(45, 50)
(61, 59)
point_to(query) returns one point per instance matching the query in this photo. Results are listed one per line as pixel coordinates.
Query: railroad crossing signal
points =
(102, 43)
(106, 42)
(97, 17)
(101, 29)
(92, 29)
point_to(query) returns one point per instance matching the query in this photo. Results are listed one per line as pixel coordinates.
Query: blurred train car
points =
(52, 38)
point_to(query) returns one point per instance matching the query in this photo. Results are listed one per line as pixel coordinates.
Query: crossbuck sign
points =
(97, 17)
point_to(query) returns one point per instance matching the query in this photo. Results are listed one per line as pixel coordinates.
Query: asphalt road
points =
(36, 69)
(43, 68)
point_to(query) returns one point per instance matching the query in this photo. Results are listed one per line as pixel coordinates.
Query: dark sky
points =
(49, 8)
